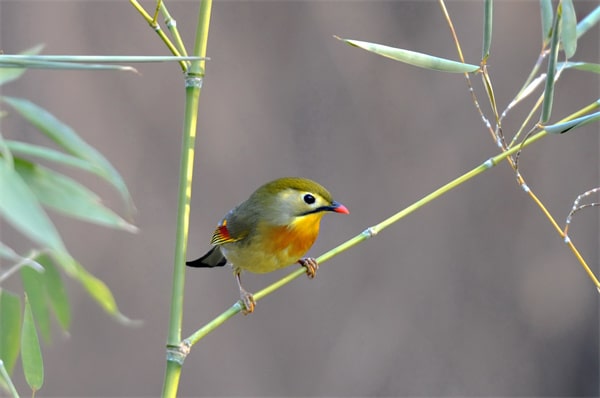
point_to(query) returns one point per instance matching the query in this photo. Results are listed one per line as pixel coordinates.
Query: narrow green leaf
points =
(552, 59)
(35, 288)
(8, 253)
(561, 128)
(94, 286)
(488, 17)
(66, 262)
(413, 58)
(23, 149)
(31, 353)
(5, 381)
(68, 196)
(588, 22)
(97, 59)
(569, 28)
(12, 64)
(584, 66)
(66, 138)
(10, 74)
(5, 151)
(69, 62)
(489, 89)
(101, 293)
(19, 206)
(10, 328)
(547, 18)
(528, 89)
(56, 292)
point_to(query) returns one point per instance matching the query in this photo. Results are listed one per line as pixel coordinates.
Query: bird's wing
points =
(223, 235)
(229, 230)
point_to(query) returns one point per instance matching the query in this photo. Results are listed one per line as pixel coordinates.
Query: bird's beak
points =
(339, 208)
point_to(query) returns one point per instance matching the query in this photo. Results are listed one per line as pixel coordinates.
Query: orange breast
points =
(274, 247)
(294, 240)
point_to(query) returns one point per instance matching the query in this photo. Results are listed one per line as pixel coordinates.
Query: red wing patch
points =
(222, 235)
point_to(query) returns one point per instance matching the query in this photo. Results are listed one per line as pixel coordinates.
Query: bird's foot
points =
(247, 301)
(311, 266)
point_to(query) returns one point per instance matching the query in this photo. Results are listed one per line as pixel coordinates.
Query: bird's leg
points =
(311, 266)
(246, 297)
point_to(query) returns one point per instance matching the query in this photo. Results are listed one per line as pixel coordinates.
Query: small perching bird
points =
(272, 229)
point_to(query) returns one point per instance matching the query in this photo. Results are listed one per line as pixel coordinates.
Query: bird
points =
(272, 229)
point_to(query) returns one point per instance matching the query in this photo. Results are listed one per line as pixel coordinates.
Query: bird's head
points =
(285, 200)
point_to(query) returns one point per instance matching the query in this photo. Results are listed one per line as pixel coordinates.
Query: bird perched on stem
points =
(272, 229)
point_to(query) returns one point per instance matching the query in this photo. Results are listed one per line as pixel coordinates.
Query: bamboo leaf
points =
(101, 293)
(5, 151)
(10, 328)
(547, 18)
(94, 286)
(561, 128)
(584, 66)
(413, 58)
(5, 381)
(588, 22)
(527, 90)
(8, 253)
(31, 353)
(68, 196)
(569, 28)
(22, 149)
(35, 288)
(487, 28)
(20, 208)
(82, 62)
(551, 72)
(96, 59)
(56, 292)
(66, 138)
(487, 83)
(23, 65)
(10, 74)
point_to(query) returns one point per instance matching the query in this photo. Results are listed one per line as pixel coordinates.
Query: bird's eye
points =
(309, 199)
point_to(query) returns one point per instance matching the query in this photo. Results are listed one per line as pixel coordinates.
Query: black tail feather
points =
(214, 258)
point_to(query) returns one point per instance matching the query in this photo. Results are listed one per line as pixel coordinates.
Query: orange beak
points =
(339, 208)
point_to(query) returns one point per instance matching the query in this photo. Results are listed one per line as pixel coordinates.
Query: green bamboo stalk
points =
(156, 27)
(176, 351)
(172, 26)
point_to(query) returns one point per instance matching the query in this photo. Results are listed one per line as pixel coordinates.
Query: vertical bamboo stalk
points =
(176, 351)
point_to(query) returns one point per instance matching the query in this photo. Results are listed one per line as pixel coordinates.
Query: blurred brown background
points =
(475, 294)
